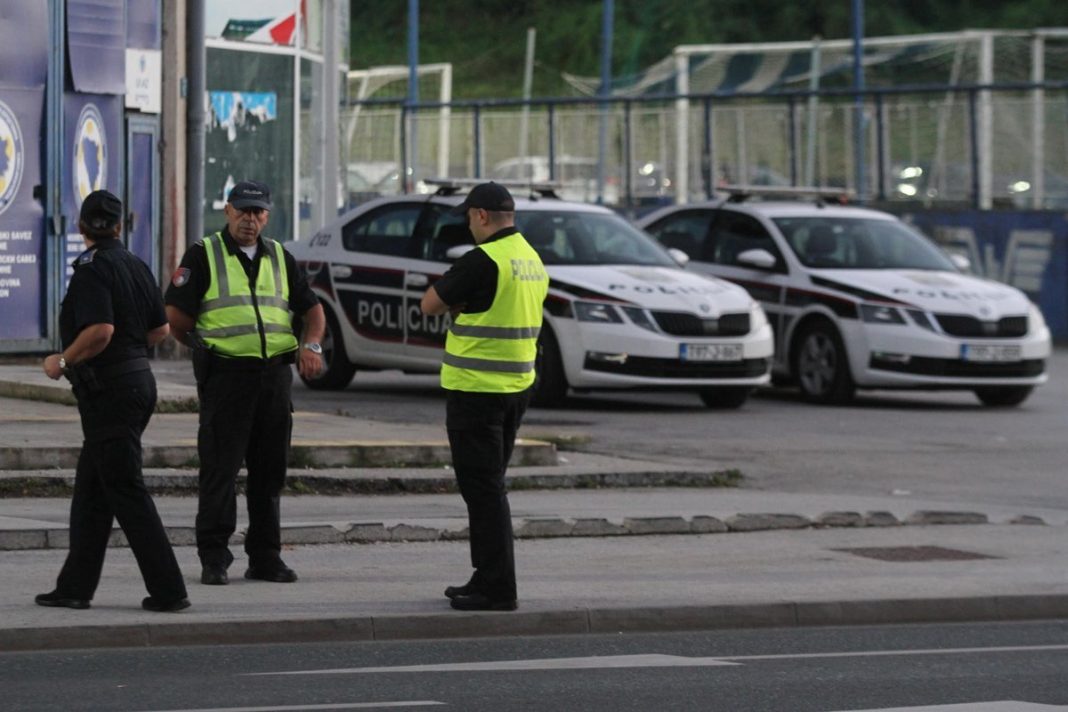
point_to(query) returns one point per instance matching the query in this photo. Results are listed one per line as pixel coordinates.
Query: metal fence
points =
(980, 146)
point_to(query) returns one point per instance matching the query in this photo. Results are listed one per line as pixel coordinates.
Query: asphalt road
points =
(816, 669)
(943, 445)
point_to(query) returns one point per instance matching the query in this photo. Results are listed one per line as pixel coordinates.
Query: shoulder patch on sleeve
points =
(181, 276)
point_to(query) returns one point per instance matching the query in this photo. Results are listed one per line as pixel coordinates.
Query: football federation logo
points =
(12, 156)
(90, 153)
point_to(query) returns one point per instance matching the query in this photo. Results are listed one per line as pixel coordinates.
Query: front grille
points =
(968, 326)
(674, 368)
(686, 324)
(955, 368)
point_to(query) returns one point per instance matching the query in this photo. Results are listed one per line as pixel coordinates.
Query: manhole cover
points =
(914, 553)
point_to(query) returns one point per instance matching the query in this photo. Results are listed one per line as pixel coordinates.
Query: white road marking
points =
(652, 661)
(880, 653)
(335, 706)
(591, 663)
(1001, 706)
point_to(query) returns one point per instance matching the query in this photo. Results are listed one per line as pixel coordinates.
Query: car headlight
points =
(640, 317)
(880, 314)
(1036, 322)
(598, 312)
(757, 318)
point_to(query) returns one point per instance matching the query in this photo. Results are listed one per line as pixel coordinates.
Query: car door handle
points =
(414, 279)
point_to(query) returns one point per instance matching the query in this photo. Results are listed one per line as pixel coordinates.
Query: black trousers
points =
(482, 429)
(245, 416)
(108, 486)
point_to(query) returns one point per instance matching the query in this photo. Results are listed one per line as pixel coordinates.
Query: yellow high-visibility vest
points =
(237, 321)
(494, 351)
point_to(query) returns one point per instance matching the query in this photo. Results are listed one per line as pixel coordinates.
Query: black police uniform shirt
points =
(113, 286)
(193, 277)
(472, 280)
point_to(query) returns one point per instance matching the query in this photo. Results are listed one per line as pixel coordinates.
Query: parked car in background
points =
(859, 299)
(620, 314)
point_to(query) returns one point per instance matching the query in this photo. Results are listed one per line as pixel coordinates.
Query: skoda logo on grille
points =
(705, 308)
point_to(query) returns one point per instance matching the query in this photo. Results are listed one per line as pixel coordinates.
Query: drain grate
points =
(914, 553)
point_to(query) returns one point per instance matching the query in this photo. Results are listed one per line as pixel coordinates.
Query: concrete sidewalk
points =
(390, 591)
(595, 552)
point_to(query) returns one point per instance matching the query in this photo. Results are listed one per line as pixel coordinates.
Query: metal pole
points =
(1038, 122)
(551, 115)
(973, 135)
(707, 159)
(608, 20)
(858, 87)
(791, 116)
(194, 126)
(331, 173)
(528, 82)
(986, 123)
(413, 90)
(628, 157)
(682, 128)
(880, 153)
(813, 112)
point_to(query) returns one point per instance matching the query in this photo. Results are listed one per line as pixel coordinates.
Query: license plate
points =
(989, 352)
(710, 352)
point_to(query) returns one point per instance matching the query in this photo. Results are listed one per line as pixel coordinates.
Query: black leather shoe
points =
(278, 574)
(482, 602)
(214, 575)
(54, 599)
(466, 590)
(157, 606)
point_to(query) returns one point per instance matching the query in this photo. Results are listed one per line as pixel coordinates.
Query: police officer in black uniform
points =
(111, 315)
(232, 300)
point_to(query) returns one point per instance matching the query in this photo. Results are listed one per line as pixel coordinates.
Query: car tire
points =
(1003, 396)
(550, 385)
(725, 397)
(821, 365)
(337, 370)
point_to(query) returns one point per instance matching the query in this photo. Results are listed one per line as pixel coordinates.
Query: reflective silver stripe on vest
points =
(220, 266)
(496, 332)
(273, 254)
(484, 364)
(222, 302)
(243, 330)
(224, 331)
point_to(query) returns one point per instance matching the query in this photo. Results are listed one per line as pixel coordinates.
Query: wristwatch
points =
(313, 347)
(62, 363)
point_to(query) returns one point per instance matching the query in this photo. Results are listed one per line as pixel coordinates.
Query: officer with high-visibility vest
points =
(495, 293)
(232, 300)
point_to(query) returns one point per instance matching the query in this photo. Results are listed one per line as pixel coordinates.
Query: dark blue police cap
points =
(101, 210)
(250, 194)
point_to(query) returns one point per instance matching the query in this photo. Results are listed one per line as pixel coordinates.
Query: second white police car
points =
(620, 313)
(859, 299)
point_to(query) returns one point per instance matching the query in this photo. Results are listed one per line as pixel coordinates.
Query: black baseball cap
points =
(250, 194)
(488, 196)
(101, 210)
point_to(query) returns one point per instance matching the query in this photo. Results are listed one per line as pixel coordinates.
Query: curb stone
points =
(57, 537)
(577, 620)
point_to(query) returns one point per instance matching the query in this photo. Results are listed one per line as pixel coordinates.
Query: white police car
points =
(858, 298)
(620, 313)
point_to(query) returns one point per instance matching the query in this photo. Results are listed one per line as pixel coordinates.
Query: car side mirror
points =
(758, 258)
(960, 261)
(679, 256)
(457, 251)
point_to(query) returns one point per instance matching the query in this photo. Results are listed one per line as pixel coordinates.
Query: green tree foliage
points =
(485, 40)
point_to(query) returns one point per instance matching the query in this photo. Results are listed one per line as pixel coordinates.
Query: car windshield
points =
(578, 238)
(860, 243)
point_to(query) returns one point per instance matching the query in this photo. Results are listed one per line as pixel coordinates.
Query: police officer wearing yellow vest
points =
(232, 300)
(495, 293)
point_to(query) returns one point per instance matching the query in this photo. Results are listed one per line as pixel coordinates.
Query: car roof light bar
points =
(451, 186)
(741, 193)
